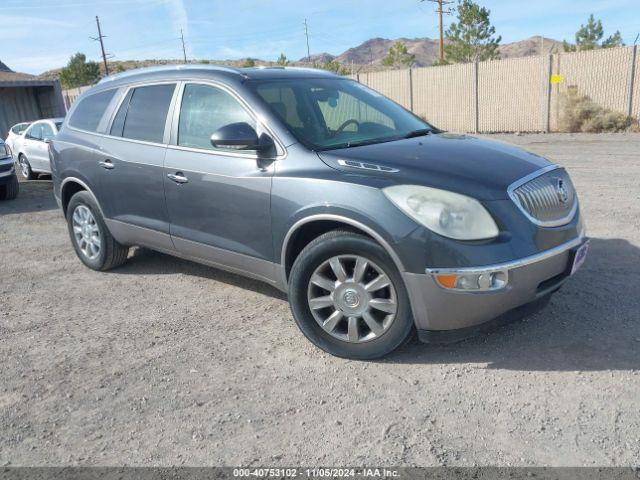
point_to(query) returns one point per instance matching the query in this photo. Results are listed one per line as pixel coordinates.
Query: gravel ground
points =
(166, 362)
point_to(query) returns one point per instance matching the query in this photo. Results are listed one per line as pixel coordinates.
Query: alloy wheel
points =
(24, 168)
(352, 298)
(86, 232)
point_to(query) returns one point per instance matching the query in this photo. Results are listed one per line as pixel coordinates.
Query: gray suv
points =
(374, 222)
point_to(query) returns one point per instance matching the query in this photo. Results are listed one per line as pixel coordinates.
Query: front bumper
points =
(439, 312)
(7, 170)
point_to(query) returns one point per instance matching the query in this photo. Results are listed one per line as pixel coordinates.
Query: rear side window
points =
(18, 129)
(143, 113)
(89, 111)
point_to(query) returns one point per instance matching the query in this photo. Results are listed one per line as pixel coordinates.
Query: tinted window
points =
(21, 127)
(204, 110)
(89, 111)
(118, 122)
(35, 132)
(147, 113)
(47, 131)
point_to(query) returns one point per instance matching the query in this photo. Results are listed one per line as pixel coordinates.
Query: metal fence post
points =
(547, 106)
(632, 74)
(476, 102)
(410, 89)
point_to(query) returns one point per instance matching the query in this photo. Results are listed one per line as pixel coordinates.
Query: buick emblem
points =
(561, 191)
(351, 299)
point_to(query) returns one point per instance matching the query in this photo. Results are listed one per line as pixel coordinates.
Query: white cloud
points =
(180, 21)
(22, 26)
(36, 64)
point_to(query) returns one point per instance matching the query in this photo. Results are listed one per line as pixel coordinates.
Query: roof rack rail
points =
(162, 68)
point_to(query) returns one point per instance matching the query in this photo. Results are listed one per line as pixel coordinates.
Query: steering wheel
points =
(345, 125)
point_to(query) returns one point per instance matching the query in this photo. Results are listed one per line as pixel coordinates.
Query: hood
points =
(479, 168)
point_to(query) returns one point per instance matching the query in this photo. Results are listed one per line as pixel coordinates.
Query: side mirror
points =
(47, 139)
(237, 136)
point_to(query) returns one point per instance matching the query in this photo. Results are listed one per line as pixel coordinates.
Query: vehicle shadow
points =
(150, 262)
(591, 324)
(34, 196)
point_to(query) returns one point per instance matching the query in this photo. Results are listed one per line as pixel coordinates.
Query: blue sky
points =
(38, 35)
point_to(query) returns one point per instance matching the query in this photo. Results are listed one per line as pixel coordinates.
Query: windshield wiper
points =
(359, 143)
(419, 133)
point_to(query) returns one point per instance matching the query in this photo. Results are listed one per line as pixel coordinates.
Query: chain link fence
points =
(513, 95)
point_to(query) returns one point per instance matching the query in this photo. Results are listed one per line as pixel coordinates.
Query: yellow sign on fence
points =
(555, 78)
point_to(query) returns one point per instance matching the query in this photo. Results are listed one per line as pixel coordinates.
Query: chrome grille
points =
(549, 199)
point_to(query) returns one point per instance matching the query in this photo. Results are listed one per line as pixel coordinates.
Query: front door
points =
(34, 148)
(131, 158)
(218, 200)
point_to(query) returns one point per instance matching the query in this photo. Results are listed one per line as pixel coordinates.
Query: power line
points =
(99, 38)
(441, 12)
(184, 51)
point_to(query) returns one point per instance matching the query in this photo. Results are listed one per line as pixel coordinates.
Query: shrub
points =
(578, 113)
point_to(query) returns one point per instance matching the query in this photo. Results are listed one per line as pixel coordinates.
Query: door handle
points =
(108, 164)
(178, 177)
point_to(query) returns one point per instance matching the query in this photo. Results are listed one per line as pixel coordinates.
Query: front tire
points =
(10, 190)
(348, 297)
(25, 168)
(92, 241)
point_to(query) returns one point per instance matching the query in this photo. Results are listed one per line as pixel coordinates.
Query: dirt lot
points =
(163, 361)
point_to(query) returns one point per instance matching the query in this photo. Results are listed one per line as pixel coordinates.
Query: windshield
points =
(337, 113)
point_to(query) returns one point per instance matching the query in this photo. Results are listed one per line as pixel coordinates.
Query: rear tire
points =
(372, 321)
(90, 237)
(10, 190)
(25, 168)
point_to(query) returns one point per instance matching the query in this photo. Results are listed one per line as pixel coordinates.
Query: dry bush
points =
(579, 113)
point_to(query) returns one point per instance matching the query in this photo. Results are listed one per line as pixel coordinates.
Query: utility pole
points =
(441, 11)
(184, 50)
(99, 38)
(306, 33)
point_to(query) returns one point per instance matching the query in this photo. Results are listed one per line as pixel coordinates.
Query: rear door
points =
(220, 209)
(131, 156)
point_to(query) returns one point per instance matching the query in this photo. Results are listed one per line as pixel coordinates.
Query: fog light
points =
(468, 282)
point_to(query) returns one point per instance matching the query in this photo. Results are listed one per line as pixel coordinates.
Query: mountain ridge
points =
(365, 57)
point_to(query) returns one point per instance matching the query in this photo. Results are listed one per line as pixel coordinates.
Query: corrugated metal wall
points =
(512, 94)
(17, 105)
(28, 103)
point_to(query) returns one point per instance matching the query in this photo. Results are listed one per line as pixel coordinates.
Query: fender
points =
(337, 218)
(83, 185)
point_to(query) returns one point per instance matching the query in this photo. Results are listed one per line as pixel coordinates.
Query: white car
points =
(15, 135)
(32, 150)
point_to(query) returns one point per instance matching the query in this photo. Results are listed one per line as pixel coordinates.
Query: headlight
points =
(446, 213)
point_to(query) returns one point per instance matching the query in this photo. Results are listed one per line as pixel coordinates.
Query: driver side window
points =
(337, 111)
(35, 132)
(47, 131)
(204, 110)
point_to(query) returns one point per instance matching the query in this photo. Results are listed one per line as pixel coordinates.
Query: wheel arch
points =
(308, 228)
(69, 187)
